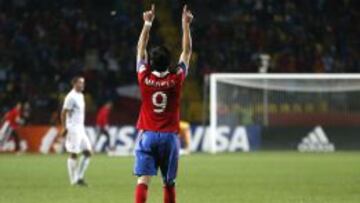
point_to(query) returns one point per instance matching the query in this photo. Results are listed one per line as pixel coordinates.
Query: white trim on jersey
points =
(160, 74)
(142, 68)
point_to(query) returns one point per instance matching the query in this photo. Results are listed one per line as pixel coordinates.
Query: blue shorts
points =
(156, 150)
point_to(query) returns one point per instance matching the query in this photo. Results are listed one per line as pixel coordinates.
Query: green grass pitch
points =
(270, 177)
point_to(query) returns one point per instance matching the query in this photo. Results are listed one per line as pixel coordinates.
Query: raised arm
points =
(148, 17)
(187, 18)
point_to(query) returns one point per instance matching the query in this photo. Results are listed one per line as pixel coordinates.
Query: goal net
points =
(290, 100)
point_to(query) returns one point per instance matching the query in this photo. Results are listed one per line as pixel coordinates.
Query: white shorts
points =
(77, 141)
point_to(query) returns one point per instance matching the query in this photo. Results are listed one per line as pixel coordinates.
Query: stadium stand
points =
(45, 43)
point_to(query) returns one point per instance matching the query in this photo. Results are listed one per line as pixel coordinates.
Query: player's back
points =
(160, 92)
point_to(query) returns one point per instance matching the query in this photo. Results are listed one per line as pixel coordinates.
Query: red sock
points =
(169, 194)
(141, 193)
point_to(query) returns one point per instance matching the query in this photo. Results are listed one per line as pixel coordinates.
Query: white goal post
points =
(305, 94)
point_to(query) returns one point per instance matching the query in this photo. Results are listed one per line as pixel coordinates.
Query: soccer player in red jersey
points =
(12, 119)
(102, 123)
(157, 145)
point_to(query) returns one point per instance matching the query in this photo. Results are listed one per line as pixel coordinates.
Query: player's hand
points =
(187, 16)
(63, 132)
(149, 15)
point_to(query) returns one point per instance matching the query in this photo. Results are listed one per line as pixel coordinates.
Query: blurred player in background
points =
(158, 145)
(102, 125)
(11, 122)
(185, 137)
(72, 120)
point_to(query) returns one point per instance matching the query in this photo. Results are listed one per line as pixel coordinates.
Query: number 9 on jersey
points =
(159, 100)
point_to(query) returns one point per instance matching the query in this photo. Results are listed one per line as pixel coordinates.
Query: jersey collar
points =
(160, 74)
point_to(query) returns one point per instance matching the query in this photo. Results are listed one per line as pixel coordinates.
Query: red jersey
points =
(160, 93)
(12, 117)
(102, 117)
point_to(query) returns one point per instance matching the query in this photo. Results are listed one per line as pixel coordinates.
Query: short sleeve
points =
(140, 65)
(183, 67)
(68, 103)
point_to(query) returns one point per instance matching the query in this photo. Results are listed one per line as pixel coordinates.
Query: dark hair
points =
(75, 79)
(160, 58)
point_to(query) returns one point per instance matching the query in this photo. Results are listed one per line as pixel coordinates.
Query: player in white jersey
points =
(77, 142)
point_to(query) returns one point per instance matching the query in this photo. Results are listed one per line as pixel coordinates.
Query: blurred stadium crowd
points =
(301, 36)
(44, 43)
